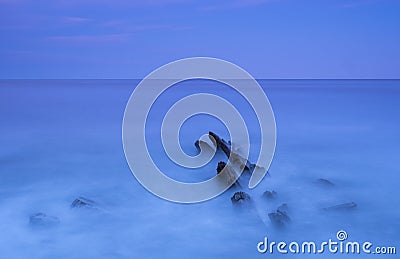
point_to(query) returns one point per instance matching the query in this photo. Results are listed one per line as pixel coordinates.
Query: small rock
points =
(270, 194)
(82, 202)
(240, 198)
(342, 207)
(42, 220)
(324, 182)
(283, 208)
(279, 218)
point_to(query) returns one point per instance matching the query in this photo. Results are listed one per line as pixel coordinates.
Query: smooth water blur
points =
(61, 139)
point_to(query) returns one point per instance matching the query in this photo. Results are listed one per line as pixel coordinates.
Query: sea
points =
(337, 143)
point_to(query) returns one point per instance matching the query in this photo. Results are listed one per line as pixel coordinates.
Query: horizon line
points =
(4, 79)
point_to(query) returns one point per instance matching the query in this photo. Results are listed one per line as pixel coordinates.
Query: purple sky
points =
(269, 38)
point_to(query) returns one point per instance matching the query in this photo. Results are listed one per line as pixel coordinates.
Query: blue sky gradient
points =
(269, 38)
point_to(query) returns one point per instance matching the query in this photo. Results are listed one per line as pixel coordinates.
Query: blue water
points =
(61, 139)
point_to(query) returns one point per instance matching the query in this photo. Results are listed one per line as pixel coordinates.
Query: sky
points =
(271, 39)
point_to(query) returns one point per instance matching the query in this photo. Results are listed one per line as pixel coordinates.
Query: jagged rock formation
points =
(226, 147)
(230, 175)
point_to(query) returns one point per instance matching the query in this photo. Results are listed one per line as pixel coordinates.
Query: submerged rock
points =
(324, 182)
(42, 220)
(342, 207)
(270, 194)
(240, 198)
(82, 202)
(280, 217)
(283, 208)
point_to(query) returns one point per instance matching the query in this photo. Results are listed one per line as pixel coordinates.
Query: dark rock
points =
(229, 176)
(283, 208)
(240, 198)
(324, 182)
(197, 145)
(221, 143)
(220, 167)
(280, 217)
(226, 147)
(270, 194)
(342, 207)
(43, 220)
(82, 202)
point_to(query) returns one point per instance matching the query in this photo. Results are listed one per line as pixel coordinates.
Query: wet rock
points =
(226, 147)
(230, 176)
(82, 202)
(220, 143)
(240, 198)
(197, 145)
(283, 208)
(324, 182)
(270, 194)
(280, 217)
(42, 220)
(205, 145)
(220, 167)
(342, 207)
